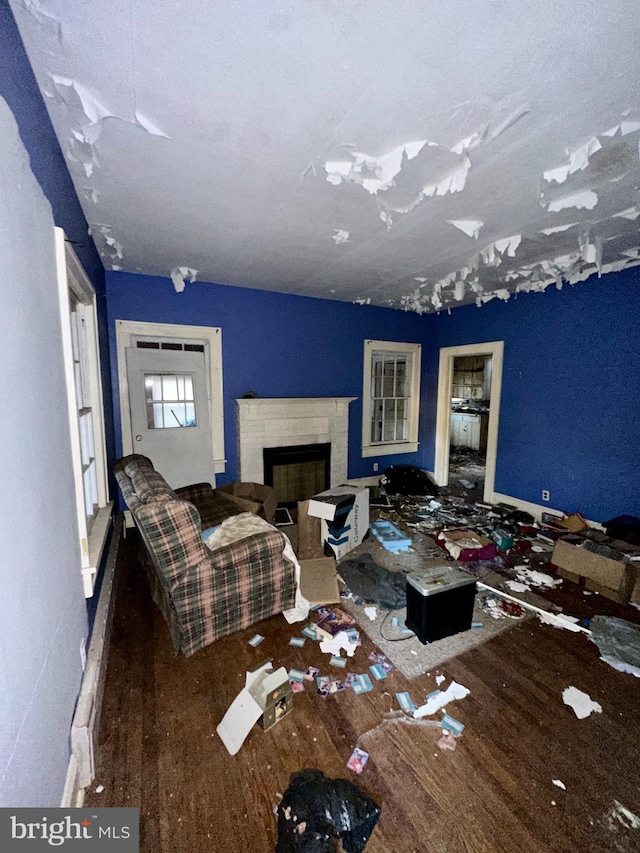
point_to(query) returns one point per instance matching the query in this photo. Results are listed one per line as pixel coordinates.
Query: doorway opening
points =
(469, 425)
(469, 387)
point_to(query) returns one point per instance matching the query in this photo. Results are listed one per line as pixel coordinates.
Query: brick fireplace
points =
(285, 421)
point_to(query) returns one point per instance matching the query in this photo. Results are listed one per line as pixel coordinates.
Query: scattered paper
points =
(357, 760)
(256, 640)
(440, 698)
(559, 784)
(371, 612)
(559, 620)
(581, 702)
(439, 679)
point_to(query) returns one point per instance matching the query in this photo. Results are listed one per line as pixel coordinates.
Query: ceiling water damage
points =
(419, 155)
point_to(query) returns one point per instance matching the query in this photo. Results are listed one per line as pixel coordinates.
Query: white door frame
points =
(443, 416)
(212, 337)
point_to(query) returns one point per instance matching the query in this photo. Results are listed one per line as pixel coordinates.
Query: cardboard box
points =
(612, 578)
(252, 497)
(344, 515)
(266, 697)
(319, 581)
(455, 542)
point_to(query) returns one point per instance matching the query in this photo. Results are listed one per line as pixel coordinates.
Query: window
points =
(84, 402)
(170, 400)
(390, 398)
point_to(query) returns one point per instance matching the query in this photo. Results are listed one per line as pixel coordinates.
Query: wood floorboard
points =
(159, 751)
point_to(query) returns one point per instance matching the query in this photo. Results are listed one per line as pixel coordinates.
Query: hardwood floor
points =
(159, 750)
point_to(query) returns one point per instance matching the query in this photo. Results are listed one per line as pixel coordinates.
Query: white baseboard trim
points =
(86, 719)
(536, 510)
(73, 794)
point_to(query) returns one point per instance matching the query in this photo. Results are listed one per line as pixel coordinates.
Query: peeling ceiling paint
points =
(415, 155)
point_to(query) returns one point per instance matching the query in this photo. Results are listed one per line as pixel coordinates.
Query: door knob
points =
(138, 438)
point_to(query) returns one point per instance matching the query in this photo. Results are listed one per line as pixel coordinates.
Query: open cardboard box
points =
(252, 497)
(266, 696)
(613, 578)
(344, 517)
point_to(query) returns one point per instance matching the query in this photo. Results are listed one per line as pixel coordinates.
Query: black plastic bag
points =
(315, 810)
(372, 582)
(407, 480)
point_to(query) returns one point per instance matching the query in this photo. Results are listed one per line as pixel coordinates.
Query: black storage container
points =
(439, 602)
(625, 527)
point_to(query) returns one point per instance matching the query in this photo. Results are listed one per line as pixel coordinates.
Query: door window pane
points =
(169, 400)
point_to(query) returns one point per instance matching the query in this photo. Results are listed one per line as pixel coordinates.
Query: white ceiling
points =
(411, 153)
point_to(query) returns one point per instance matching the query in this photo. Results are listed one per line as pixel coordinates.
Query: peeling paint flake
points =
(178, 275)
(340, 236)
(370, 172)
(578, 160)
(586, 199)
(471, 227)
(630, 213)
(558, 228)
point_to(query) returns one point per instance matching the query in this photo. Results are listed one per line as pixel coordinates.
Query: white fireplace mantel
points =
(284, 421)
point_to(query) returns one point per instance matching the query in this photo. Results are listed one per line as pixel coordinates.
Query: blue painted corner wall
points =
(570, 409)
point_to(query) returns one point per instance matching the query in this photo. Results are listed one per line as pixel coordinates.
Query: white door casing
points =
(127, 332)
(443, 417)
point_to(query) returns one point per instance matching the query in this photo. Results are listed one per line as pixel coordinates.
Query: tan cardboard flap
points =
(319, 581)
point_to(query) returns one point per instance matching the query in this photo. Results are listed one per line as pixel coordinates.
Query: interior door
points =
(169, 410)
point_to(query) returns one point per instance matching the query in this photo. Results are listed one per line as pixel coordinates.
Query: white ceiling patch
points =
(178, 275)
(340, 236)
(471, 227)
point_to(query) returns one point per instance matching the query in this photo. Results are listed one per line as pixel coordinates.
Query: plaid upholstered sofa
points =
(203, 593)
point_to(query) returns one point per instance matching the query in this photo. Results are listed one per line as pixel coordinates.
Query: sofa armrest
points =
(238, 585)
(173, 537)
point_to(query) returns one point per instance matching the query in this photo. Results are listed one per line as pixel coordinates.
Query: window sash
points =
(391, 397)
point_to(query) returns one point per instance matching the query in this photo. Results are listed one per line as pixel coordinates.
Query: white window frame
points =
(74, 288)
(413, 353)
(127, 331)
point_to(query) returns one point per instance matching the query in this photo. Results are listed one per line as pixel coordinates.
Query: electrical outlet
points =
(83, 653)
(545, 495)
(375, 466)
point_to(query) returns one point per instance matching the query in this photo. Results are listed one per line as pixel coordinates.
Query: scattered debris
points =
(559, 784)
(618, 641)
(623, 816)
(371, 612)
(357, 760)
(440, 698)
(582, 704)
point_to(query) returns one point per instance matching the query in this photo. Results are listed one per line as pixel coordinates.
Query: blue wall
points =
(570, 413)
(570, 406)
(273, 344)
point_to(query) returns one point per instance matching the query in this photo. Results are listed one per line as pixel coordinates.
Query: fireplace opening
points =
(297, 472)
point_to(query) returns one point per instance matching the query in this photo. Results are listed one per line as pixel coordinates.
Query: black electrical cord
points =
(393, 639)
